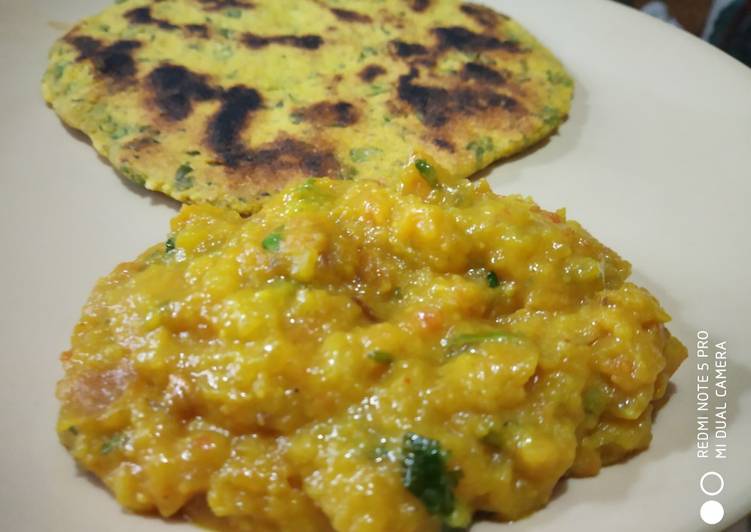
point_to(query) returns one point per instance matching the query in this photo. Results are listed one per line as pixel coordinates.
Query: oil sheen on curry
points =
(356, 357)
(222, 101)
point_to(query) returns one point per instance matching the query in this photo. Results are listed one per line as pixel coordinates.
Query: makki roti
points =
(359, 358)
(223, 101)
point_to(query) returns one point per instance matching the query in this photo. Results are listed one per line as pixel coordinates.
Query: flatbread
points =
(222, 101)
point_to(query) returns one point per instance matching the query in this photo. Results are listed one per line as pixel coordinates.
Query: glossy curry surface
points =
(356, 357)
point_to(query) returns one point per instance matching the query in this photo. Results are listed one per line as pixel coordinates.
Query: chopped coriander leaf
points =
(183, 179)
(360, 155)
(169, 245)
(119, 132)
(594, 401)
(233, 13)
(376, 89)
(348, 172)
(367, 52)
(462, 340)
(193, 153)
(493, 281)
(73, 430)
(226, 33)
(551, 116)
(311, 192)
(525, 71)
(559, 78)
(460, 518)
(58, 69)
(115, 442)
(382, 357)
(480, 148)
(224, 52)
(427, 172)
(426, 475)
(273, 240)
(445, 527)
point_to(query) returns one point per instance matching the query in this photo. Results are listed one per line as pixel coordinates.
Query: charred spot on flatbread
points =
(141, 144)
(142, 15)
(86, 46)
(483, 15)
(444, 144)
(216, 5)
(436, 106)
(465, 40)
(328, 114)
(114, 61)
(199, 30)
(347, 15)
(307, 42)
(371, 72)
(287, 155)
(419, 5)
(175, 88)
(430, 103)
(228, 123)
(408, 49)
(484, 74)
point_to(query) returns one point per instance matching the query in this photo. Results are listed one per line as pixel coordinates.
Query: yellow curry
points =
(363, 358)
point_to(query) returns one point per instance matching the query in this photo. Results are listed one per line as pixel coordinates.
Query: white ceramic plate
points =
(655, 160)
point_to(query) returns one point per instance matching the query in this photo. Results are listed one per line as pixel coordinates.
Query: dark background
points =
(730, 30)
